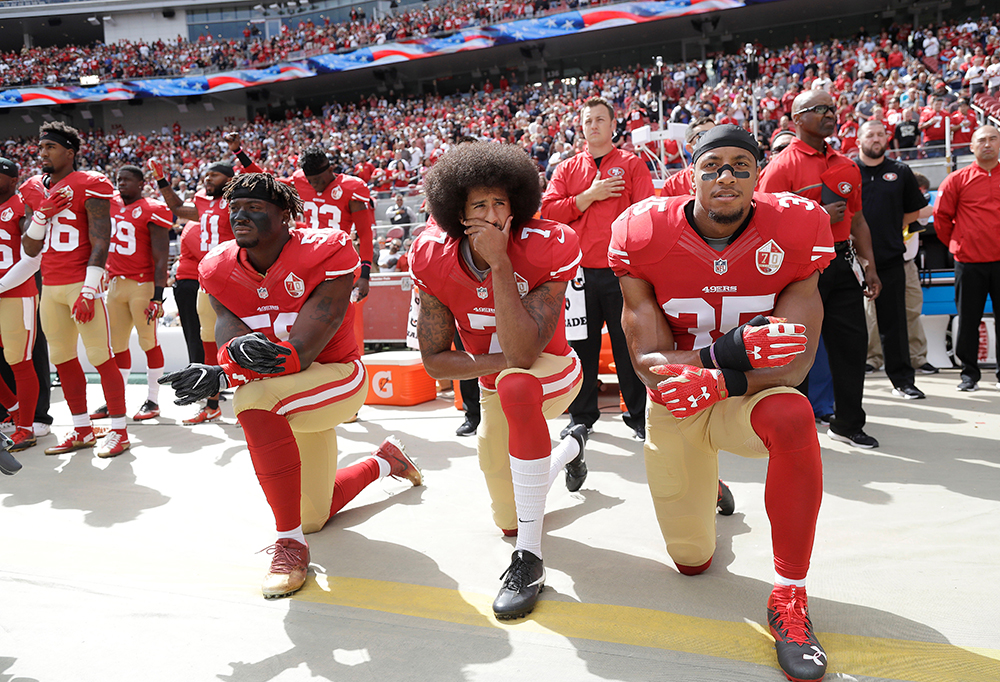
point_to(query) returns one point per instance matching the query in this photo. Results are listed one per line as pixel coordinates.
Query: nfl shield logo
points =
(294, 286)
(262, 292)
(769, 258)
(481, 292)
(721, 266)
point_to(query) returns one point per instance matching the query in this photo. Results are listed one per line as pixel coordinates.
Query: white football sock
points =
(126, 372)
(81, 421)
(531, 483)
(384, 468)
(782, 580)
(562, 454)
(118, 423)
(294, 534)
(153, 394)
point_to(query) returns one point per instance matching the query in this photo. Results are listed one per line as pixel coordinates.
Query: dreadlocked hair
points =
(282, 195)
(481, 164)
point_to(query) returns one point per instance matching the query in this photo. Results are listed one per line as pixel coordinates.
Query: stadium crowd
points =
(126, 60)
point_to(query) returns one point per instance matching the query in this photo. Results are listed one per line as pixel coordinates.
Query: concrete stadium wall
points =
(145, 26)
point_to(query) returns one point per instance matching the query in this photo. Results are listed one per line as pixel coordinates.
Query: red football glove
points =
(53, 204)
(690, 390)
(157, 169)
(775, 344)
(154, 311)
(83, 309)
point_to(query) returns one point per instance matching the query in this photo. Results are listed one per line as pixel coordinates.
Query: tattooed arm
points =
(435, 333)
(317, 321)
(98, 229)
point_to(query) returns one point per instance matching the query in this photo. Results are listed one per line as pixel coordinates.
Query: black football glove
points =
(195, 382)
(258, 354)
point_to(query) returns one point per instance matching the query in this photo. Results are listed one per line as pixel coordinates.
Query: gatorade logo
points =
(382, 384)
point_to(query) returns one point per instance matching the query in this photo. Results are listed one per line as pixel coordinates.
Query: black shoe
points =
(968, 386)
(576, 468)
(640, 433)
(800, 654)
(100, 413)
(927, 368)
(870, 369)
(725, 504)
(565, 432)
(859, 439)
(824, 419)
(909, 392)
(522, 582)
(467, 428)
(8, 463)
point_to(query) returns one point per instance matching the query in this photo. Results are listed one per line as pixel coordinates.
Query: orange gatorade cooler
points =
(398, 378)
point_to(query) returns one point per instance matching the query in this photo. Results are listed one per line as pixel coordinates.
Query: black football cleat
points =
(800, 655)
(522, 583)
(576, 468)
(725, 504)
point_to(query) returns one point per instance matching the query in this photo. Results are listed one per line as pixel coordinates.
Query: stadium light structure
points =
(109, 20)
(94, 21)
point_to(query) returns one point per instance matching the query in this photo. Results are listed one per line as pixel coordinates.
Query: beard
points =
(873, 151)
(727, 218)
(48, 168)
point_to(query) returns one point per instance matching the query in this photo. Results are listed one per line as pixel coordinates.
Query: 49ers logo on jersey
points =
(294, 286)
(616, 172)
(7, 214)
(769, 258)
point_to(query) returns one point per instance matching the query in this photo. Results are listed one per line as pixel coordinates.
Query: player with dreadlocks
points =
(282, 300)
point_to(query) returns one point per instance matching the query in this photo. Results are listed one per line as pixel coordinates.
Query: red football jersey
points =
(329, 208)
(11, 212)
(67, 241)
(703, 292)
(190, 252)
(541, 251)
(213, 214)
(131, 252)
(270, 303)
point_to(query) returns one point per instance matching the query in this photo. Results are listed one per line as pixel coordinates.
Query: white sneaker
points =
(41, 429)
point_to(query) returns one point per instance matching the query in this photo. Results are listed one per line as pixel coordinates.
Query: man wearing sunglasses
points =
(811, 168)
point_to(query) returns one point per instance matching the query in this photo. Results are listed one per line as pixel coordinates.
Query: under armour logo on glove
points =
(761, 342)
(83, 309)
(689, 390)
(154, 311)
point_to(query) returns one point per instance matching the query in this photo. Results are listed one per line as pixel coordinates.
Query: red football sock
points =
(521, 398)
(211, 352)
(7, 397)
(27, 392)
(114, 387)
(74, 385)
(154, 357)
(124, 359)
(793, 489)
(352, 480)
(276, 460)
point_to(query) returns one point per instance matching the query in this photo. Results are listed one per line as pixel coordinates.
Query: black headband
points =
(59, 139)
(219, 167)
(316, 165)
(254, 191)
(726, 136)
(8, 168)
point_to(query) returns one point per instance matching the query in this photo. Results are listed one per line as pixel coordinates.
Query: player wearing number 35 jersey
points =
(72, 215)
(722, 315)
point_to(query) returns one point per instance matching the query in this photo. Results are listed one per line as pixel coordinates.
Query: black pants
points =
(604, 305)
(890, 310)
(186, 295)
(469, 388)
(973, 281)
(845, 334)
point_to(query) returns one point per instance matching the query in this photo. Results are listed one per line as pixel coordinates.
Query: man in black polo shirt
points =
(891, 199)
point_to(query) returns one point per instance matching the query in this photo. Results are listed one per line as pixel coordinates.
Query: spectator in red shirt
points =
(963, 124)
(932, 124)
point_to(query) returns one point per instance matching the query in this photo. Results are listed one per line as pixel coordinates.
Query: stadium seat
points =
(394, 233)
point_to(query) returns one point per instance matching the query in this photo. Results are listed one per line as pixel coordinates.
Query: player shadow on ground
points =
(7, 662)
(337, 642)
(106, 496)
(892, 643)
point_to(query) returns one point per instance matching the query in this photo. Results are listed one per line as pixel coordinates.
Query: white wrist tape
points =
(94, 277)
(37, 228)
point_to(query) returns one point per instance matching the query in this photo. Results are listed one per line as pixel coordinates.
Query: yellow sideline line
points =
(749, 642)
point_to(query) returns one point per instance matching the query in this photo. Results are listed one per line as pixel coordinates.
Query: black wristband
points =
(243, 158)
(736, 382)
(706, 358)
(162, 182)
(157, 294)
(366, 271)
